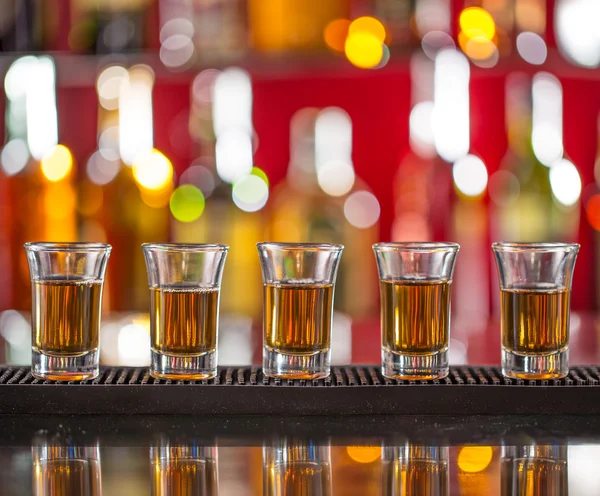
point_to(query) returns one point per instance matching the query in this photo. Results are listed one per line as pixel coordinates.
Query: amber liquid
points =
(66, 316)
(185, 476)
(67, 477)
(535, 321)
(415, 316)
(184, 320)
(534, 477)
(415, 478)
(298, 317)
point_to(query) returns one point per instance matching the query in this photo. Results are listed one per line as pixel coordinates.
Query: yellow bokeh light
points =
(364, 50)
(187, 203)
(474, 458)
(257, 171)
(479, 48)
(57, 163)
(368, 25)
(152, 170)
(475, 21)
(364, 454)
(335, 34)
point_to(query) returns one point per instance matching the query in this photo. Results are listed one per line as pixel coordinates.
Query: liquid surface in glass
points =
(534, 477)
(415, 315)
(534, 320)
(184, 320)
(66, 316)
(415, 477)
(67, 477)
(298, 317)
(185, 476)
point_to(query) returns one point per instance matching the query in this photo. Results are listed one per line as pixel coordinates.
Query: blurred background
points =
(348, 121)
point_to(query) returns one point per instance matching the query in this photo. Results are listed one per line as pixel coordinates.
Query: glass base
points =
(285, 366)
(414, 367)
(80, 367)
(547, 366)
(183, 368)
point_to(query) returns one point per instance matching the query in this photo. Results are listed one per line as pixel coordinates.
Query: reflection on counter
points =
(296, 467)
(61, 468)
(534, 470)
(181, 469)
(412, 470)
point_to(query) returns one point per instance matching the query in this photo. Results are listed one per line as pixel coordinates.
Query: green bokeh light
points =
(257, 171)
(187, 203)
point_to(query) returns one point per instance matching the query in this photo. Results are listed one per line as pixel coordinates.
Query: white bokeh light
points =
(336, 177)
(14, 157)
(233, 153)
(470, 175)
(451, 105)
(565, 182)
(532, 48)
(421, 129)
(109, 84)
(101, 171)
(547, 118)
(250, 193)
(232, 101)
(362, 209)
(577, 33)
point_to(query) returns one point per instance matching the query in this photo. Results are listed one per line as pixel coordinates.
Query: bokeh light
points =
(363, 50)
(201, 177)
(250, 193)
(547, 118)
(14, 157)
(101, 171)
(432, 16)
(369, 25)
(364, 454)
(470, 175)
(577, 33)
(152, 170)
(478, 48)
(532, 48)
(473, 459)
(434, 41)
(177, 46)
(109, 84)
(257, 171)
(335, 34)
(57, 163)
(592, 211)
(477, 22)
(187, 203)
(421, 129)
(233, 153)
(336, 177)
(565, 182)
(362, 209)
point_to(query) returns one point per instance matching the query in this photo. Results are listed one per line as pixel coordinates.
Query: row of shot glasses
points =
(299, 280)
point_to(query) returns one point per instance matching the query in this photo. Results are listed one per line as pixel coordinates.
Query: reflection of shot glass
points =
(184, 469)
(59, 467)
(415, 281)
(535, 287)
(298, 308)
(418, 470)
(292, 466)
(67, 281)
(185, 282)
(534, 469)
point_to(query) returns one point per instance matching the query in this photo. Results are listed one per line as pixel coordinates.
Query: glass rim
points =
(74, 247)
(417, 246)
(544, 247)
(185, 247)
(301, 246)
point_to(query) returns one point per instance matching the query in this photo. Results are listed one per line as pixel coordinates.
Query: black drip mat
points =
(350, 390)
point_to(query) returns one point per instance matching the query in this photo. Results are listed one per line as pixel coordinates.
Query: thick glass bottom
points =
(547, 366)
(80, 367)
(183, 368)
(414, 367)
(286, 366)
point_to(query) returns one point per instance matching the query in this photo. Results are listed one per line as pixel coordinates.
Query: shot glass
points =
(184, 468)
(415, 281)
(62, 467)
(67, 281)
(299, 283)
(535, 289)
(185, 284)
(415, 469)
(534, 469)
(297, 466)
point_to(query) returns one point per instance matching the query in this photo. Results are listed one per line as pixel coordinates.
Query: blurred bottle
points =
(520, 189)
(187, 469)
(299, 467)
(322, 201)
(6, 258)
(20, 26)
(534, 470)
(413, 470)
(42, 182)
(62, 468)
(221, 109)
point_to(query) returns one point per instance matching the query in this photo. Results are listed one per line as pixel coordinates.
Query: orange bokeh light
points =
(364, 454)
(368, 25)
(475, 21)
(592, 210)
(335, 34)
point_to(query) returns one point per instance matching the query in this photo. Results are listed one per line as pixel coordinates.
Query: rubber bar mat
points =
(350, 390)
